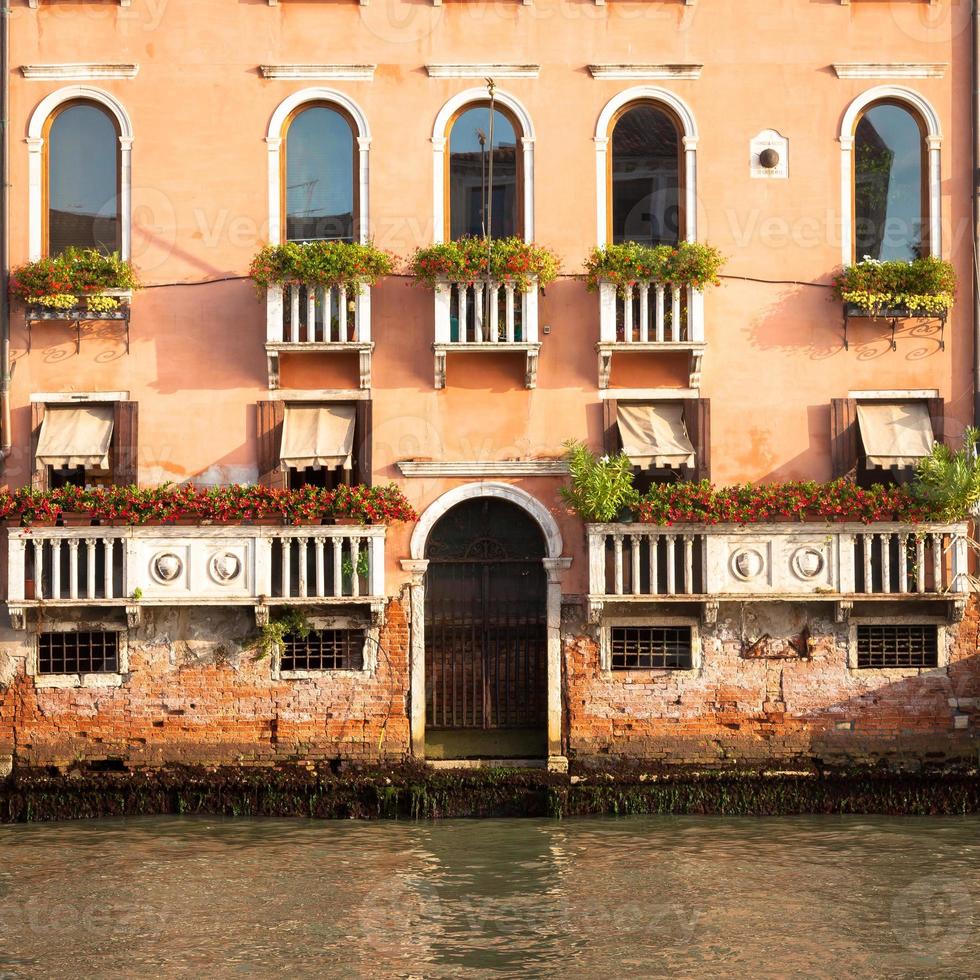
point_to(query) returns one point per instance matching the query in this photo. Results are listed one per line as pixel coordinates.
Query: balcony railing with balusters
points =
(482, 317)
(639, 562)
(650, 316)
(304, 318)
(219, 565)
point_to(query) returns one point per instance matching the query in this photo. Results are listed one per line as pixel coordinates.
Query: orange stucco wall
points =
(200, 110)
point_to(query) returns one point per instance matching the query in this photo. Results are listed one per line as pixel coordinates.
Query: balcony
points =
(652, 317)
(309, 318)
(221, 565)
(841, 563)
(486, 317)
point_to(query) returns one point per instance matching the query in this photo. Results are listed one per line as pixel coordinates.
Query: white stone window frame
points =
(689, 138)
(276, 137)
(372, 645)
(928, 116)
(35, 162)
(605, 645)
(943, 643)
(440, 139)
(84, 680)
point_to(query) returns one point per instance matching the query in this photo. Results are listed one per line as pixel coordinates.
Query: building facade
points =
(187, 136)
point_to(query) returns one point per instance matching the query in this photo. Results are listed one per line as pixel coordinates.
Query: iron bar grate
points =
(651, 647)
(81, 652)
(897, 645)
(323, 649)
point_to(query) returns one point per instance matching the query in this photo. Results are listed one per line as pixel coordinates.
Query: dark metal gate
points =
(485, 620)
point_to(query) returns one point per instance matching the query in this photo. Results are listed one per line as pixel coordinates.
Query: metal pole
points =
(491, 88)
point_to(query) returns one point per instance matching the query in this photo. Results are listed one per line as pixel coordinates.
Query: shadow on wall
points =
(808, 319)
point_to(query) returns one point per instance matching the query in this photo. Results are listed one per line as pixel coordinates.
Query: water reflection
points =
(645, 896)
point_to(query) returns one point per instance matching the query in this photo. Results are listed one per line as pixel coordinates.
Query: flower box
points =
(82, 309)
(896, 312)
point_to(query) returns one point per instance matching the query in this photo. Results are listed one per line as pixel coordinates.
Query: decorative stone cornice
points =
(78, 71)
(893, 69)
(343, 73)
(627, 71)
(416, 568)
(483, 71)
(487, 469)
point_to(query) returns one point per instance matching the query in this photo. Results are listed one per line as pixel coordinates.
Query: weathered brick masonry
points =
(756, 711)
(195, 693)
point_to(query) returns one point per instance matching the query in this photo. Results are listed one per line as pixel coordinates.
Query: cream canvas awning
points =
(895, 434)
(73, 436)
(319, 436)
(654, 435)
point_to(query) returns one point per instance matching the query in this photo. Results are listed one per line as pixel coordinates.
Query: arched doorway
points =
(486, 641)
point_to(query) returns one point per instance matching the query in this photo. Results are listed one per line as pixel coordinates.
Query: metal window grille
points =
(81, 652)
(326, 649)
(650, 647)
(897, 645)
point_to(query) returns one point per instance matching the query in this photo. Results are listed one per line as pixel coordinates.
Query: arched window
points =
(891, 203)
(473, 206)
(319, 193)
(646, 176)
(82, 185)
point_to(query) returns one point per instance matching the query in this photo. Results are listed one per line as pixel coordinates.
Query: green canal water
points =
(658, 896)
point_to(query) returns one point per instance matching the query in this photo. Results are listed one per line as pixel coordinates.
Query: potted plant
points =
(77, 283)
(687, 264)
(524, 265)
(348, 570)
(601, 487)
(948, 480)
(894, 289)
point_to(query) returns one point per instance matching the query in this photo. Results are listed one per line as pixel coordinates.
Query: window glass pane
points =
(469, 175)
(889, 206)
(83, 177)
(319, 177)
(646, 178)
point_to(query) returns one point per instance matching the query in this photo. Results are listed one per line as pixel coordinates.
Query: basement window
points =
(78, 652)
(323, 649)
(651, 647)
(902, 645)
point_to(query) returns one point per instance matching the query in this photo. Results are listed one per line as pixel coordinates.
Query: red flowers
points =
(841, 501)
(240, 502)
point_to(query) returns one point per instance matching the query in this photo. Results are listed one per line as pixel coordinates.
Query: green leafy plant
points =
(75, 272)
(508, 260)
(363, 566)
(838, 501)
(273, 634)
(137, 594)
(948, 480)
(921, 287)
(685, 264)
(384, 504)
(602, 486)
(329, 264)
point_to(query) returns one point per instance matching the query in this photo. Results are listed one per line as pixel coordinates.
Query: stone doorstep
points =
(557, 763)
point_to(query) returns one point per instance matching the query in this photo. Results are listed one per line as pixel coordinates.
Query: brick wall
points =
(737, 709)
(195, 693)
